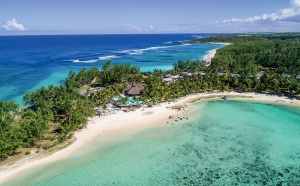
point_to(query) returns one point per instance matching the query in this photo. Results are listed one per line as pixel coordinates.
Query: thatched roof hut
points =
(134, 89)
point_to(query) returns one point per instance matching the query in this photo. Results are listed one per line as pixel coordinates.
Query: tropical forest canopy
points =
(254, 52)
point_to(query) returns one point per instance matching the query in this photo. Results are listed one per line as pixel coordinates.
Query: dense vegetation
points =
(276, 52)
(53, 113)
(234, 38)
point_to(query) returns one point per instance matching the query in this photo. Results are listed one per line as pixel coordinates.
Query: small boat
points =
(225, 98)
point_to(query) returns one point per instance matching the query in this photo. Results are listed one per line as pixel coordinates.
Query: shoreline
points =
(211, 54)
(130, 123)
(223, 43)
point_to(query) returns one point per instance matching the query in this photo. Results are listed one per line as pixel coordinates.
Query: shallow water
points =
(222, 143)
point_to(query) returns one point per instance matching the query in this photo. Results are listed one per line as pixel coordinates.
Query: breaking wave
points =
(108, 57)
(140, 51)
(119, 54)
(85, 61)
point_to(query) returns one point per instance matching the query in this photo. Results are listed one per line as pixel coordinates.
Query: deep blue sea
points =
(29, 62)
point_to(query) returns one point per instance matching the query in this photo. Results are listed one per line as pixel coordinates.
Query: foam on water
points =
(222, 143)
(85, 61)
(140, 51)
(27, 61)
(108, 57)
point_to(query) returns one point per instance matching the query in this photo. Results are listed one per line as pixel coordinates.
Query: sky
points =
(148, 16)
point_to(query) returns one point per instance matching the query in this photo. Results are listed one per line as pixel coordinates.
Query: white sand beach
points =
(212, 53)
(220, 43)
(131, 122)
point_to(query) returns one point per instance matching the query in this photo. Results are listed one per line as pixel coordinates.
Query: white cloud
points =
(295, 3)
(288, 14)
(13, 25)
(134, 28)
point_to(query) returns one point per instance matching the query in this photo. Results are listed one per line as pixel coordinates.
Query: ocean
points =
(221, 143)
(30, 62)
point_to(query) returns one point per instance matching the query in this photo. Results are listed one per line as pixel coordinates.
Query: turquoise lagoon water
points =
(221, 143)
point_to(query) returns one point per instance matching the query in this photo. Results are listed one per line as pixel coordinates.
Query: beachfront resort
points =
(119, 102)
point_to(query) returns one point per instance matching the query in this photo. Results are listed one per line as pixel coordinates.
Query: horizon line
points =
(171, 33)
